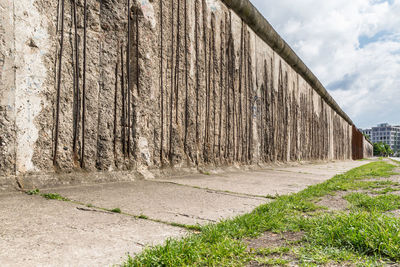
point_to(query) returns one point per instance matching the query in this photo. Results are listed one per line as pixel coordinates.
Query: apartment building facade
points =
(386, 134)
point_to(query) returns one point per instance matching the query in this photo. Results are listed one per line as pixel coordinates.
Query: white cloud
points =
(364, 78)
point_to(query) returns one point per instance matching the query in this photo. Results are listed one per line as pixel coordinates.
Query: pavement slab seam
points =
(215, 191)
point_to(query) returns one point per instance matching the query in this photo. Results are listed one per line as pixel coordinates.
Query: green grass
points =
(33, 192)
(54, 197)
(196, 228)
(382, 203)
(116, 210)
(363, 233)
(337, 237)
(385, 191)
(395, 161)
(51, 196)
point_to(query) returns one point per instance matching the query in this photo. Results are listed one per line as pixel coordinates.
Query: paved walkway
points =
(39, 232)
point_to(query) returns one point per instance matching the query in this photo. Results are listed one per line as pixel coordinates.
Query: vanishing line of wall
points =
(180, 83)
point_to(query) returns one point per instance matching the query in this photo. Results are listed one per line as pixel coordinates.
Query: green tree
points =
(388, 150)
(382, 150)
(379, 149)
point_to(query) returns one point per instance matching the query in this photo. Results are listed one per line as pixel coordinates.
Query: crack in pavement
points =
(190, 216)
(216, 191)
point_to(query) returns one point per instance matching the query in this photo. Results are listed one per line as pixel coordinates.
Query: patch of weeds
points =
(204, 250)
(116, 210)
(204, 172)
(396, 161)
(380, 203)
(89, 206)
(33, 192)
(317, 255)
(364, 233)
(385, 191)
(144, 217)
(305, 206)
(54, 196)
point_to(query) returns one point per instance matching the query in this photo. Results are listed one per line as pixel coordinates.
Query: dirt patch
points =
(342, 264)
(395, 178)
(335, 202)
(395, 193)
(395, 213)
(272, 240)
(289, 258)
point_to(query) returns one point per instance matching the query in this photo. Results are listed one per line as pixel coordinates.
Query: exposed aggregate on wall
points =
(177, 83)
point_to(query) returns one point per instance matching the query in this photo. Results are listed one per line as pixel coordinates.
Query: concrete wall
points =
(200, 88)
(361, 147)
(368, 149)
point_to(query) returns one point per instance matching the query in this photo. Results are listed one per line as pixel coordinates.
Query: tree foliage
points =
(382, 150)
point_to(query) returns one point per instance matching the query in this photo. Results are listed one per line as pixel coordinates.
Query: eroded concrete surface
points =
(39, 232)
(278, 180)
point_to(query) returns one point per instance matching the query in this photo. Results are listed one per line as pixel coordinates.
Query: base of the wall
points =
(50, 180)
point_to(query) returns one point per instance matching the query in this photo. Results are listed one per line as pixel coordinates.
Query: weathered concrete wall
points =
(368, 149)
(361, 147)
(196, 87)
(7, 89)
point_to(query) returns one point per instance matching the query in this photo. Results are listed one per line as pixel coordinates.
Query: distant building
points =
(386, 134)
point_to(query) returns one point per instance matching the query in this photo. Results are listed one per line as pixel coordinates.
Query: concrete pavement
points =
(39, 232)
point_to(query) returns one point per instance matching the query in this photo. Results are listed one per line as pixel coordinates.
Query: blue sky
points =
(353, 47)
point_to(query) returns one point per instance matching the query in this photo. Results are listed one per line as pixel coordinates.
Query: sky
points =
(353, 47)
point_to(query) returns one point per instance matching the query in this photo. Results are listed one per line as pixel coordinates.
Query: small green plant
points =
(55, 196)
(364, 233)
(89, 206)
(144, 217)
(33, 192)
(116, 210)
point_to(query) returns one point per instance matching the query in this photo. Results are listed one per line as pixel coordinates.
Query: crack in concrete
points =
(216, 191)
(191, 216)
(94, 210)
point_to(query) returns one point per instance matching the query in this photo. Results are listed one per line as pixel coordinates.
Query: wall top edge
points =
(259, 24)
